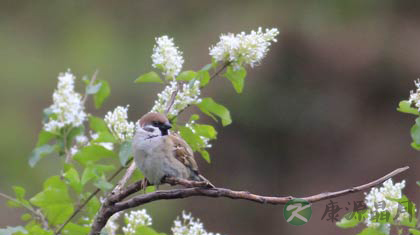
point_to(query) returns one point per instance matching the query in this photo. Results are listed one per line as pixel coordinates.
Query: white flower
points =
(111, 226)
(188, 94)
(81, 139)
(67, 108)
(244, 48)
(135, 219)
(415, 96)
(377, 201)
(118, 124)
(189, 226)
(167, 57)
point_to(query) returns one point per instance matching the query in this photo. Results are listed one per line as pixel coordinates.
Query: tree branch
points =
(115, 204)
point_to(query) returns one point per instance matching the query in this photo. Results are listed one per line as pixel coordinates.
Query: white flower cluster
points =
(244, 48)
(135, 219)
(377, 201)
(118, 124)
(67, 107)
(205, 140)
(188, 94)
(415, 96)
(189, 226)
(111, 226)
(167, 57)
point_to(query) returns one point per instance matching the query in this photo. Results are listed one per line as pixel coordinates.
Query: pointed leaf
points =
(209, 107)
(149, 77)
(405, 107)
(44, 137)
(92, 153)
(237, 77)
(186, 76)
(54, 201)
(204, 77)
(102, 94)
(125, 152)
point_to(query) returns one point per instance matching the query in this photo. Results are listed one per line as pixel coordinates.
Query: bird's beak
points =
(166, 126)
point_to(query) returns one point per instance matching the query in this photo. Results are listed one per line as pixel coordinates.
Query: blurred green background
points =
(317, 115)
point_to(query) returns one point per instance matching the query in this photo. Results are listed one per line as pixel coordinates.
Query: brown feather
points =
(183, 152)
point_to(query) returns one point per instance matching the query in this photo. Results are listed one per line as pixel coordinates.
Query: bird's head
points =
(154, 122)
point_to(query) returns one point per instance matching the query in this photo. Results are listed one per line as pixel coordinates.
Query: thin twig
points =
(36, 213)
(107, 210)
(125, 178)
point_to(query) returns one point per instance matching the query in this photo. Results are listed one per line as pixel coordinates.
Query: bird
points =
(159, 153)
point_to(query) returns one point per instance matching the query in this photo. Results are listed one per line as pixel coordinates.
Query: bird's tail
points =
(202, 178)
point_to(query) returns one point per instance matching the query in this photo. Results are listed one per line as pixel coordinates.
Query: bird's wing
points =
(183, 152)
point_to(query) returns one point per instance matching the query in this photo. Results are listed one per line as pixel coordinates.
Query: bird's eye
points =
(155, 123)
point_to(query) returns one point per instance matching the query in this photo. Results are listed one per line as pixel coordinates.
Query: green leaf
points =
(92, 207)
(92, 153)
(125, 152)
(149, 77)
(144, 230)
(405, 107)
(40, 152)
(13, 204)
(415, 134)
(54, 201)
(20, 197)
(73, 179)
(93, 89)
(74, 229)
(237, 77)
(414, 231)
(19, 192)
(44, 137)
(191, 138)
(207, 131)
(102, 94)
(35, 229)
(209, 107)
(415, 146)
(97, 124)
(103, 184)
(186, 76)
(26, 217)
(12, 230)
(371, 231)
(105, 136)
(354, 221)
(95, 171)
(205, 155)
(204, 77)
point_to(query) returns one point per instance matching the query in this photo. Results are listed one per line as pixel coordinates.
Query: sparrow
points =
(159, 153)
